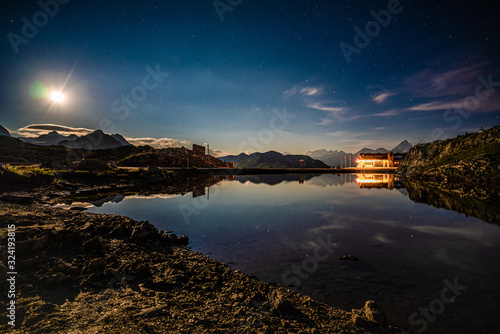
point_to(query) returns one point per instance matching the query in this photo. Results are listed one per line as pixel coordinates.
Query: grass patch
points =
(26, 174)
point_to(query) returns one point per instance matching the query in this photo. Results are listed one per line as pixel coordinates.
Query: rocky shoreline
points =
(460, 174)
(81, 272)
(468, 161)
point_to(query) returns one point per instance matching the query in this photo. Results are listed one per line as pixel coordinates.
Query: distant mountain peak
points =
(403, 147)
(97, 140)
(4, 132)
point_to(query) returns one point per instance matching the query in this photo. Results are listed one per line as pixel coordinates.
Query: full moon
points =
(57, 97)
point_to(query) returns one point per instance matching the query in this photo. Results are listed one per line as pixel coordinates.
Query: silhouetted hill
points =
(4, 131)
(13, 150)
(166, 157)
(234, 158)
(472, 158)
(274, 159)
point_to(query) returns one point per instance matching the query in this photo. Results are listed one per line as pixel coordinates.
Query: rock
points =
(55, 279)
(183, 240)
(144, 232)
(40, 243)
(93, 244)
(63, 266)
(279, 304)
(143, 271)
(349, 257)
(22, 246)
(96, 264)
(78, 208)
(152, 312)
(370, 313)
(17, 199)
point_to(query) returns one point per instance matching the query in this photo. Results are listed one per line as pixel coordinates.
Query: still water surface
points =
(291, 230)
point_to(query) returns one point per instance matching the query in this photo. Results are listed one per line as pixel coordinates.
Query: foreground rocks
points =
(89, 273)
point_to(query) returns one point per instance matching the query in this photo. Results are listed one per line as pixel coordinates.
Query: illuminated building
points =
(380, 160)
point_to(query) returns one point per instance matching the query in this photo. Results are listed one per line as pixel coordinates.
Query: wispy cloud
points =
(311, 91)
(445, 80)
(380, 98)
(392, 112)
(339, 133)
(320, 106)
(335, 114)
(304, 91)
(490, 104)
(437, 105)
(158, 143)
(35, 130)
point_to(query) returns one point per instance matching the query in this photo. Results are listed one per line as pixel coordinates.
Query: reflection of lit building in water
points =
(368, 160)
(388, 181)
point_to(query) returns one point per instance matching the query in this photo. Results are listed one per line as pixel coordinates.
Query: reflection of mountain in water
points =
(182, 185)
(422, 192)
(389, 181)
(272, 179)
(112, 199)
(331, 180)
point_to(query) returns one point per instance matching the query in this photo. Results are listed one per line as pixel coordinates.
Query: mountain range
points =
(272, 159)
(96, 140)
(334, 158)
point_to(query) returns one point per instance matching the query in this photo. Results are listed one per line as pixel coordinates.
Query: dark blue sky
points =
(416, 78)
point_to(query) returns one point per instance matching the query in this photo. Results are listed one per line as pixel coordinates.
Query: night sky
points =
(222, 72)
